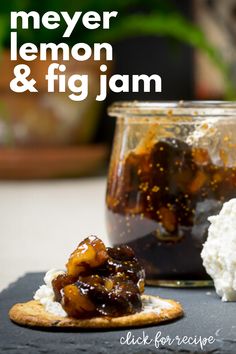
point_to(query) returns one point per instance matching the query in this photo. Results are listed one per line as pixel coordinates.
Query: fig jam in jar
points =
(173, 164)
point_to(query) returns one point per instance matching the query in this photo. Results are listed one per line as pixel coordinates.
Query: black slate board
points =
(205, 315)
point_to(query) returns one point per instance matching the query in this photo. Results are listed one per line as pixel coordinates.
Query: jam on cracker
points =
(100, 281)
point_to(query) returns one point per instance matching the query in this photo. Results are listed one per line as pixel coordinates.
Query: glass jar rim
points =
(172, 108)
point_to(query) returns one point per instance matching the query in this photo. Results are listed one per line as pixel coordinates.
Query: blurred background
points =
(191, 44)
(54, 152)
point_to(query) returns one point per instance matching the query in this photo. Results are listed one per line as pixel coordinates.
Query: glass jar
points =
(173, 164)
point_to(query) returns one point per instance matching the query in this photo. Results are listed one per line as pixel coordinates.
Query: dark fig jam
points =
(100, 281)
(162, 188)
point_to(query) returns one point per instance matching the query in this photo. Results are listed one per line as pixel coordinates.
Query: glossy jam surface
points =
(160, 202)
(100, 281)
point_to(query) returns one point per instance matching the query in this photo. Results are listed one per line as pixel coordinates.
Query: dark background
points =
(172, 60)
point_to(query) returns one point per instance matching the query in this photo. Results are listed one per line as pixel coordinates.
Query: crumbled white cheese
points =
(45, 294)
(219, 251)
(155, 304)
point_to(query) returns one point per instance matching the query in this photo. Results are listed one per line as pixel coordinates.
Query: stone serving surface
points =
(205, 316)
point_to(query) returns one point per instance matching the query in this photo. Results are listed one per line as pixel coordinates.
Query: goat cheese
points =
(219, 251)
(45, 294)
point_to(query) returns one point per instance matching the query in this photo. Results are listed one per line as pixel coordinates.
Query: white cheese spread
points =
(219, 251)
(155, 304)
(45, 294)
